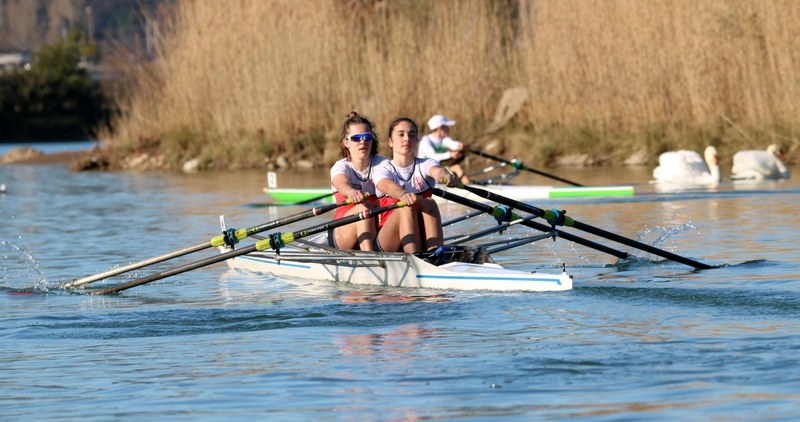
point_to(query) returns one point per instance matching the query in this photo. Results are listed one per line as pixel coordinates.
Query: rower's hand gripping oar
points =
(519, 165)
(558, 218)
(274, 241)
(499, 213)
(230, 237)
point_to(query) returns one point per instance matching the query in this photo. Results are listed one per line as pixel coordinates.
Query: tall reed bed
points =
(723, 68)
(238, 81)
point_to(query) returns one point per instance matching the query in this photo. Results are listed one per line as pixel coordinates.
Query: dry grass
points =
(695, 69)
(238, 81)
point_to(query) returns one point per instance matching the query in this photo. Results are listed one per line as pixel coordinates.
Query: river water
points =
(642, 339)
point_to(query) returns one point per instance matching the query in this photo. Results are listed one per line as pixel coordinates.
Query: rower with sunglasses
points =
(351, 178)
(409, 179)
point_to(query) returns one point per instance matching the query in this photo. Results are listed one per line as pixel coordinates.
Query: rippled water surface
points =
(642, 339)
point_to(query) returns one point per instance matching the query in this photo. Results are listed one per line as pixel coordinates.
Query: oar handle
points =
(521, 166)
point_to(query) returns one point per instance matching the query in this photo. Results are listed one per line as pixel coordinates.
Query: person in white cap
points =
(441, 147)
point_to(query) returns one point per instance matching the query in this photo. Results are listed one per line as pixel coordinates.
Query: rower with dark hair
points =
(409, 179)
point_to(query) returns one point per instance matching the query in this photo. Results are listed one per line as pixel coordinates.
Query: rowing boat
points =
(282, 196)
(518, 192)
(530, 193)
(457, 268)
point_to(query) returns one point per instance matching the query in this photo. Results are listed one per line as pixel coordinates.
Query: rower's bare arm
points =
(342, 185)
(443, 176)
(396, 191)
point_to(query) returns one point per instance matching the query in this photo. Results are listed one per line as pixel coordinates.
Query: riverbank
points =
(67, 157)
(566, 90)
(526, 148)
(70, 153)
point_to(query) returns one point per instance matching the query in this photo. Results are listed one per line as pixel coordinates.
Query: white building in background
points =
(10, 60)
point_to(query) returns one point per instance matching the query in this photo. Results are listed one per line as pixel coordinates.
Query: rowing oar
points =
(558, 218)
(521, 166)
(455, 240)
(230, 236)
(499, 213)
(274, 241)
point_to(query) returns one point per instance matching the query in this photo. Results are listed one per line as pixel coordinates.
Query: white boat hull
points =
(398, 270)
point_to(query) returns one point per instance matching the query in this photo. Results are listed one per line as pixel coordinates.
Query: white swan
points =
(759, 165)
(688, 168)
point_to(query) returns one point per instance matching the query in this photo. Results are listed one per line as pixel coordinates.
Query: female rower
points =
(406, 178)
(351, 179)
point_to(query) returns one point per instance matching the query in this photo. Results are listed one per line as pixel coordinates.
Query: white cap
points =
(438, 120)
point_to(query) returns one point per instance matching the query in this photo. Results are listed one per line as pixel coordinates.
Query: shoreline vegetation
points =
(53, 98)
(551, 82)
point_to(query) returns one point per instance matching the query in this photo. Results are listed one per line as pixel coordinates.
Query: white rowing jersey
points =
(438, 149)
(414, 179)
(358, 180)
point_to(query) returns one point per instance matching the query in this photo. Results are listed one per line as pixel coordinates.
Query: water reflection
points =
(403, 343)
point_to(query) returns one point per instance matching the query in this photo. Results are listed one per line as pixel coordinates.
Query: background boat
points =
(293, 196)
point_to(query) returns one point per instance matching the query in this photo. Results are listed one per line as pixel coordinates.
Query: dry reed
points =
(238, 81)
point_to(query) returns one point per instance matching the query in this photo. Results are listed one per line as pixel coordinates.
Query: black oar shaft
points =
(215, 241)
(499, 228)
(569, 222)
(522, 167)
(519, 242)
(639, 245)
(534, 225)
(275, 241)
(579, 240)
(462, 218)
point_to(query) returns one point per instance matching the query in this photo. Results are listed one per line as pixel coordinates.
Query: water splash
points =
(663, 237)
(658, 236)
(18, 269)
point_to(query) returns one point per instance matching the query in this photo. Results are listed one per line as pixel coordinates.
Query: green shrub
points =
(55, 99)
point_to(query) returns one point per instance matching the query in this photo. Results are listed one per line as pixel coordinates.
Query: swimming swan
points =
(687, 167)
(759, 165)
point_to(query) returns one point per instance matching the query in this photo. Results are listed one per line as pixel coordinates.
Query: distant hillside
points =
(27, 24)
